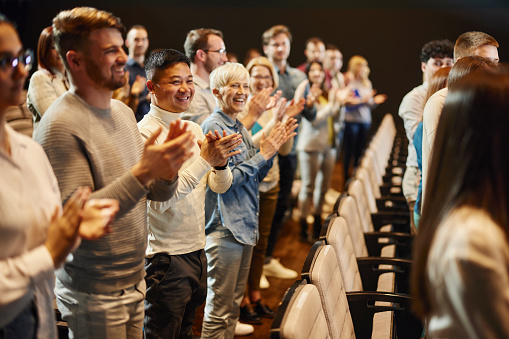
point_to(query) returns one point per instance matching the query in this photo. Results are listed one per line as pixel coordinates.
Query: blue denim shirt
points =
(418, 148)
(237, 209)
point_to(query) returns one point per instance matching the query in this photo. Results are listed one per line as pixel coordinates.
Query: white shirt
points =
(411, 110)
(430, 118)
(29, 195)
(468, 269)
(177, 226)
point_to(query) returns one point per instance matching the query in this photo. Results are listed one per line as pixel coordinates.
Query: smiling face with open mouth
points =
(174, 88)
(234, 96)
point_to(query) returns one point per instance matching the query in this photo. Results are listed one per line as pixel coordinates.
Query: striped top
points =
(97, 148)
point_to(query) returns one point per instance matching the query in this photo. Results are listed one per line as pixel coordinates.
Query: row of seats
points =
(355, 279)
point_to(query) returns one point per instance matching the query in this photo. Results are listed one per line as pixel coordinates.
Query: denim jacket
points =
(237, 209)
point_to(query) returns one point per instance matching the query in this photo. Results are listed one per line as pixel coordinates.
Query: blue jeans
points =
(228, 267)
(23, 326)
(354, 142)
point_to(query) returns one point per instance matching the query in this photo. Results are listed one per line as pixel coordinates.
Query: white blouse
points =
(468, 269)
(29, 195)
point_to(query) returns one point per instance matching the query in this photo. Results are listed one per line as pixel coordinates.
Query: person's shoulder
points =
(212, 122)
(40, 75)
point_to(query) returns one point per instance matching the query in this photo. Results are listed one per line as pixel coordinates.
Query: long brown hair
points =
(437, 81)
(44, 48)
(469, 165)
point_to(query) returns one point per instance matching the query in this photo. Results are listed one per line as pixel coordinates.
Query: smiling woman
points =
(232, 217)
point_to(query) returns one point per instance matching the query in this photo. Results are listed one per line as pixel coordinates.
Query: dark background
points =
(388, 33)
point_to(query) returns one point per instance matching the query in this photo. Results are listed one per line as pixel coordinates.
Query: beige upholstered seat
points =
(300, 315)
(325, 274)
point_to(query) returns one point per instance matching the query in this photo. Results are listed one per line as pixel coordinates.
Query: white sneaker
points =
(264, 283)
(276, 270)
(243, 329)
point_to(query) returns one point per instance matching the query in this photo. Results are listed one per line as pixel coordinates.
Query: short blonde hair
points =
(226, 74)
(263, 61)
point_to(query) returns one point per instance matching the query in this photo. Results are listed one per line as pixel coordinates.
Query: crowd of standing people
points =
(134, 212)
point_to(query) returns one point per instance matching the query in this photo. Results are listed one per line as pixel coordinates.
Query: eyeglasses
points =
(11, 62)
(259, 77)
(221, 51)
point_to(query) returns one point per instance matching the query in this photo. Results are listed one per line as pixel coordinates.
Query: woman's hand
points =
(63, 230)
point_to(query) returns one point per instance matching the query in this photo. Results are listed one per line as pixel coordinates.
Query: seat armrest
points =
(363, 308)
(403, 242)
(370, 271)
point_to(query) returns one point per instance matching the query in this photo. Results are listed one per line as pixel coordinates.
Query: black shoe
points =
(248, 315)
(263, 310)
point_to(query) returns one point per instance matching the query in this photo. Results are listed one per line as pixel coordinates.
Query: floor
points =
(292, 254)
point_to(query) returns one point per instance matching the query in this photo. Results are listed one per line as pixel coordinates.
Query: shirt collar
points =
(228, 121)
(131, 62)
(161, 114)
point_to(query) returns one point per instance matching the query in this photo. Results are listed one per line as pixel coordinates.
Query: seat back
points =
(356, 190)
(338, 237)
(363, 176)
(300, 315)
(324, 273)
(348, 210)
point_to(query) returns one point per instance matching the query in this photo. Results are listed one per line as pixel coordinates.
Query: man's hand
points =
(96, 217)
(216, 149)
(163, 161)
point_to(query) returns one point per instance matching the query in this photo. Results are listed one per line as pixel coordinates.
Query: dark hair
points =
(273, 31)
(163, 59)
(437, 49)
(314, 40)
(437, 81)
(325, 91)
(44, 48)
(469, 166)
(199, 39)
(468, 42)
(467, 65)
(331, 47)
(72, 28)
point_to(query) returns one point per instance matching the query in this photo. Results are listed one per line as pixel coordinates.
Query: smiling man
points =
(177, 226)
(92, 140)
(206, 50)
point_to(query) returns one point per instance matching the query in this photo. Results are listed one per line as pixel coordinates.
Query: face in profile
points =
(489, 52)
(173, 88)
(105, 59)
